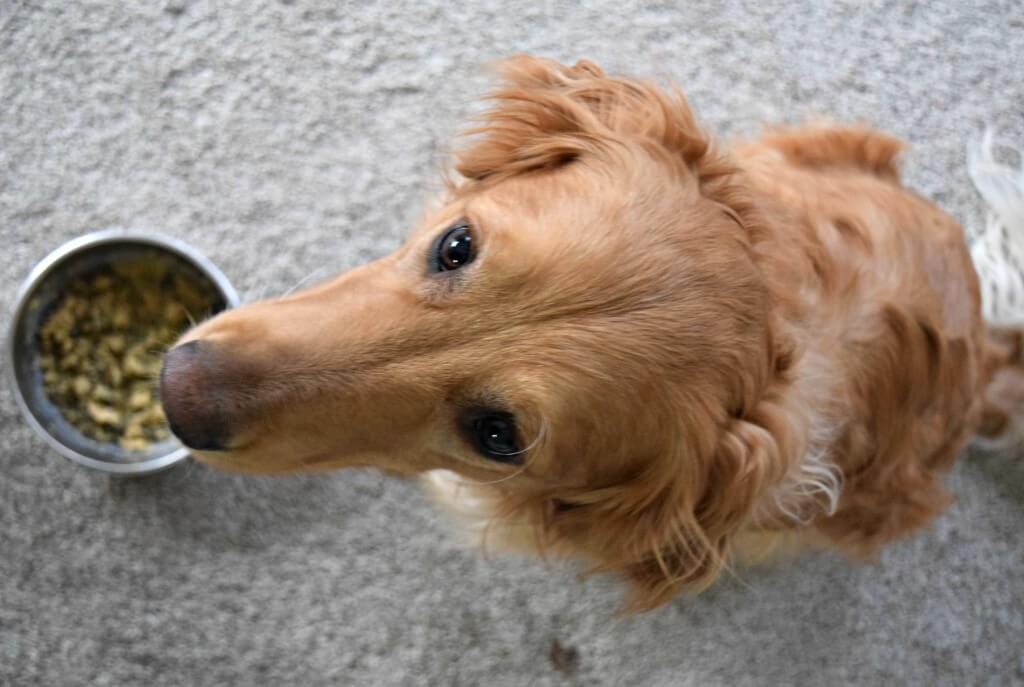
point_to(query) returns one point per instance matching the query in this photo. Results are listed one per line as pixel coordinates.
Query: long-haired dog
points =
(617, 341)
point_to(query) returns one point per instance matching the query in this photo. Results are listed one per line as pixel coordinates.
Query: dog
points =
(617, 341)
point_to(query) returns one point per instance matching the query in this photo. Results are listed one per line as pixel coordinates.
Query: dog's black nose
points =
(193, 413)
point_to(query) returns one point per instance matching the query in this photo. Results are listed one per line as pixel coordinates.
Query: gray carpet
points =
(287, 139)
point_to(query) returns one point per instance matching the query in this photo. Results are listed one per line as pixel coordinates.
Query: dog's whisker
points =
(316, 274)
(540, 436)
(185, 472)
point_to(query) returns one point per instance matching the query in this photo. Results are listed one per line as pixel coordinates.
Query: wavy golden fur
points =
(706, 349)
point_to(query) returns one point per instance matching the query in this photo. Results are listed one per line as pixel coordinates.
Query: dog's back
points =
(886, 293)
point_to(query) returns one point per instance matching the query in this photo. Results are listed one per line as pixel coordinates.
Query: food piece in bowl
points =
(100, 349)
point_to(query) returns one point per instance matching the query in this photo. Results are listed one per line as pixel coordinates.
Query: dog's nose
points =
(188, 382)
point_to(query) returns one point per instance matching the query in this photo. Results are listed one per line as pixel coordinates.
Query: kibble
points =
(101, 349)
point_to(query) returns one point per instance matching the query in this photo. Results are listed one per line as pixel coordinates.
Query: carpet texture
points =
(288, 140)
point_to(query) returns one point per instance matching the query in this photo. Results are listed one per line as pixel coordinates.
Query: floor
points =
(289, 140)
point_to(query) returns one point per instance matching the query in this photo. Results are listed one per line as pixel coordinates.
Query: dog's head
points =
(581, 324)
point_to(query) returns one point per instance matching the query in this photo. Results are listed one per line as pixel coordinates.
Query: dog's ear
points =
(547, 114)
(672, 527)
(686, 534)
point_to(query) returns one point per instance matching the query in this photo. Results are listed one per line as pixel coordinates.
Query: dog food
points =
(101, 348)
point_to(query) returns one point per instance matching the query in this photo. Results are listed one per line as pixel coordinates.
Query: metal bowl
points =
(37, 298)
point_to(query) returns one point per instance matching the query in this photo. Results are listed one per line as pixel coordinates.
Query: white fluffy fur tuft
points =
(998, 248)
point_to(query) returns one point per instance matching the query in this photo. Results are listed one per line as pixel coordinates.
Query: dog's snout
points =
(189, 383)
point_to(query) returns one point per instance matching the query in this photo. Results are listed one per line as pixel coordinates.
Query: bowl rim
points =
(47, 266)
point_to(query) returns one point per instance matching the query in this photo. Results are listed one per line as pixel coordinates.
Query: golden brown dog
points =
(619, 342)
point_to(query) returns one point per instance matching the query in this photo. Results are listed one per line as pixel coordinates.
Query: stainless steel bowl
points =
(38, 296)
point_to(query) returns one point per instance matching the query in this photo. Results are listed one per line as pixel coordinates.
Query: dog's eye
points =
(455, 249)
(494, 435)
